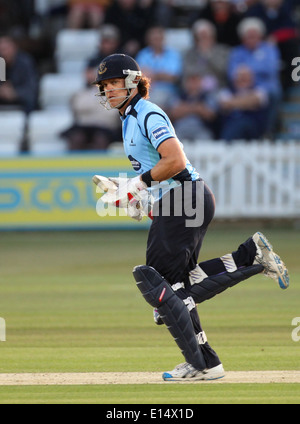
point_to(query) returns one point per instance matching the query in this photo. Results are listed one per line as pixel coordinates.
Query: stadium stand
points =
(178, 38)
(56, 90)
(73, 48)
(12, 125)
(44, 129)
(290, 111)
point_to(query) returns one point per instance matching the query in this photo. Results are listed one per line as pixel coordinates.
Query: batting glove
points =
(128, 193)
(132, 188)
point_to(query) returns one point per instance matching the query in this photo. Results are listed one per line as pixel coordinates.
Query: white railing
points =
(251, 180)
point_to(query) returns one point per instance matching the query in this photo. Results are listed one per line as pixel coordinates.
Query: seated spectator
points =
(241, 6)
(243, 108)
(178, 13)
(21, 87)
(207, 56)
(93, 128)
(194, 112)
(223, 15)
(163, 65)
(109, 44)
(16, 16)
(5, 19)
(133, 20)
(86, 13)
(263, 58)
(153, 8)
(281, 29)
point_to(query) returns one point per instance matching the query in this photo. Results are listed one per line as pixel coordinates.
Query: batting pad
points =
(159, 294)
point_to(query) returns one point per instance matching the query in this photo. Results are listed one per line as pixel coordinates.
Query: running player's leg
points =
(255, 250)
(180, 246)
(243, 256)
(211, 358)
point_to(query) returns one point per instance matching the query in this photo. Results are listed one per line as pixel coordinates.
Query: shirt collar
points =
(130, 108)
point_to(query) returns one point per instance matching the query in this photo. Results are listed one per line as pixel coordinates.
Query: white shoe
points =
(186, 372)
(274, 266)
(214, 373)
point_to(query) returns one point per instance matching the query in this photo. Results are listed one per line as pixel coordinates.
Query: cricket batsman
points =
(181, 205)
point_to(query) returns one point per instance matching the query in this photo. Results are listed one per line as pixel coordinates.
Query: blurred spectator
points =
(133, 20)
(207, 56)
(163, 65)
(243, 108)
(19, 19)
(222, 13)
(281, 28)
(93, 128)
(263, 58)
(5, 21)
(21, 87)
(16, 15)
(152, 7)
(194, 111)
(50, 17)
(109, 44)
(178, 13)
(86, 13)
(241, 6)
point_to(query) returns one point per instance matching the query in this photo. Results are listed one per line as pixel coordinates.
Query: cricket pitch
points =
(31, 379)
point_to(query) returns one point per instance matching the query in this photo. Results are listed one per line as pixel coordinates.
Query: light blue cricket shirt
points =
(145, 127)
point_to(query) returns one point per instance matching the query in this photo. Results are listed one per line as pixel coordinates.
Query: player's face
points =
(114, 91)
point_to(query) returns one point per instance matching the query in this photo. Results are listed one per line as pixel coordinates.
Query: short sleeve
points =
(158, 129)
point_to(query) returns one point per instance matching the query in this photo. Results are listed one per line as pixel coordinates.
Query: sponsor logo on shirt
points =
(160, 132)
(135, 163)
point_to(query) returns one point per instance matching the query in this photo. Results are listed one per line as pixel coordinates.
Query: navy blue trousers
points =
(173, 248)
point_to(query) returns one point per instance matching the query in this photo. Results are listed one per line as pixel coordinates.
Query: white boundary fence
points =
(2, 330)
(250, 180)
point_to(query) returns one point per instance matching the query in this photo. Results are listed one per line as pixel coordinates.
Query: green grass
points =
(71, 305)
(154, 394)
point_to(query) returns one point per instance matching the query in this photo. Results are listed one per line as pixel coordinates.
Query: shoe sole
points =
(280, 268)
(168, 377)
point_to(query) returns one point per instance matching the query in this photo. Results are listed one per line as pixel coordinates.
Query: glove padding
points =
(130, 194)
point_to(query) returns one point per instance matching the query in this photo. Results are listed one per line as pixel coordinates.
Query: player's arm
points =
(172, 161)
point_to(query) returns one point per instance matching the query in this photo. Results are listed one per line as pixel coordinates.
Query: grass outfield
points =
(71, 305)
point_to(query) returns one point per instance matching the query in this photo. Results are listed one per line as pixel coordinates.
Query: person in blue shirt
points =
(243, 108)
(172, 281)
(263, 58)
(162, 64)
(280, 19)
